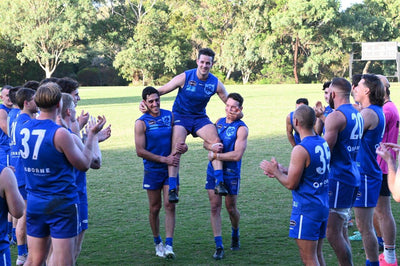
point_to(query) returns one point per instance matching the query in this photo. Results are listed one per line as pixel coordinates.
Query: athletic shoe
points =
(356, 236)
(382, 261)
(21, 259)
(160, 250)
(235, 244)
(219, 253)
(173, 196)
(220, 189)
(169, 252)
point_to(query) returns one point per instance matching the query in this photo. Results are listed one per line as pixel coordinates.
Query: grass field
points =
(119, 232)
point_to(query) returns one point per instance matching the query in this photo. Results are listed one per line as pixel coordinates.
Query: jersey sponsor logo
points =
(209, 89)
(166, 120)
(152, 122)
(230, 131)
(192, 83)
(37, 170)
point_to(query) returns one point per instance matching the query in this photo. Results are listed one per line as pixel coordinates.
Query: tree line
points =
(116, 42)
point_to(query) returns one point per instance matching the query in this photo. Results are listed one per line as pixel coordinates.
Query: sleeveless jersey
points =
(4, 243)
(311, 198)
(15, 159)
(12, 115)
(391, 131)
(50, 180)
(343, 161)
(4, 140)
(296, 135)
(192, 99)
(158, 138)
(366, 157)
(227, 133)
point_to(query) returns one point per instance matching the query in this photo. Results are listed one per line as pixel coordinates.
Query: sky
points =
(348, 3)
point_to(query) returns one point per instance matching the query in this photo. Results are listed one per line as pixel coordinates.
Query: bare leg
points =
(364, 219)
(336, 236)
(216, 205)
(21, 229)
(320, 253)
(387, 225)
(63, 251)
(78, 244)
(154, 197)
(179, 134)
(169, 214)
(38, 249)
(210, 135)
(308, 252)
(234, 215)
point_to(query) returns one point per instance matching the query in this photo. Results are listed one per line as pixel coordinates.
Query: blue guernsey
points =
(296, 135)
(311, 198)
(366, 157)
(343, 162)
(192, 99)
(158, 137)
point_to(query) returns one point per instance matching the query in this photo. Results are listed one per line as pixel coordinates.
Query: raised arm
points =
(176, 82)
(221, 91)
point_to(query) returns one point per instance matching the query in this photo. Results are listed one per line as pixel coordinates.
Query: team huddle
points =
(45, 192)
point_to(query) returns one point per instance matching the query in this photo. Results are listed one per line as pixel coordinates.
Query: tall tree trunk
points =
(295, 55)
(365, 70)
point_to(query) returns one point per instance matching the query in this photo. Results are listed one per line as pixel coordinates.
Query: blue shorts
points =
(341, 195)
(22, 191)
(154, 180)
(302, 227)
(61, 224)
(368, 193)
(5, 257)
(83, 216)
(192, 123)
(232, 184)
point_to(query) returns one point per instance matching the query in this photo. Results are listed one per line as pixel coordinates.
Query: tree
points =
(48, 31)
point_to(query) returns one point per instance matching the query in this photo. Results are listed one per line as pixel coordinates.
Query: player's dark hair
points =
(47, 80)
(149, 91)
(24, 94)
(31, 84)
(208, 52)
(237, 97)
(326, 85)
(376, 89)
(6, 87)
(342, 84)
(68, 85)
(302, 100)
(355, 79)
(305, 115)
(48, 95)
(12, 92)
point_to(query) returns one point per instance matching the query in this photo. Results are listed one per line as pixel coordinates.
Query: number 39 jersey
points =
(310, 198)
(343, 163)
(49, 175)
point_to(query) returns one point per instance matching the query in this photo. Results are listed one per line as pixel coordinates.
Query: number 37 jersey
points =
(49, 174)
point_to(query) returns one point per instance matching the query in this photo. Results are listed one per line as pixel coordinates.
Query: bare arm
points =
(393, 174)
(15, 202)
(289, 131)
(237, 153)
(221, 91)
(176, 82)
(3, 121)
(140, 144)
(334, 123)
(298, 161)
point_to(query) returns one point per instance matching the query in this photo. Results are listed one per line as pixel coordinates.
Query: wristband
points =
(214, 155)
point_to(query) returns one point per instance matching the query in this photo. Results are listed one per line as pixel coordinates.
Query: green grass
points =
(119, 232)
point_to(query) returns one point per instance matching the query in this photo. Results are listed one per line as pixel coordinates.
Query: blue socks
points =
(235, 232)
(371, 263)
(14, 236)
(157, 240)
(219, 176)
(169, 241)
(22, 250)
(9, 228)
(172, 182)
(218, 242)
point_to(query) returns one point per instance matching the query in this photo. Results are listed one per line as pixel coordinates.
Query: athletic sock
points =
(169, 241)
(218, 242)
(380, 240)
(14, 236)
(157, 240)
(22, 250)
(219, 176)
(390, 253)
(235, 232)
(374, 263)
(172, 182)
(367, 263)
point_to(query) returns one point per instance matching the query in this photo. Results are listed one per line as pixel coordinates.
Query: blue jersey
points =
(192, 99)
(296, 135)
(81, 185)
(227, 133)
(366, 157)
(327, 111)
(158, 138)
(50, 180)
(15, 159)
(343, 162)
(12, 115)
(4, 140)
(311, 198)
(4, 243)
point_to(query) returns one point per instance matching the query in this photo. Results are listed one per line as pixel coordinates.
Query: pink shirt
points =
(391, 130)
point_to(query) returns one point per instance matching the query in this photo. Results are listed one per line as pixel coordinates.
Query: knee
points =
(215, 209)
(169, 207)
(155, 210)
